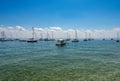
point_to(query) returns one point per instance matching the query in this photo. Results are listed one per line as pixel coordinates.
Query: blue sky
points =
(81, 14)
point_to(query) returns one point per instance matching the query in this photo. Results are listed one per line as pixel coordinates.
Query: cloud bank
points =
(58, 32)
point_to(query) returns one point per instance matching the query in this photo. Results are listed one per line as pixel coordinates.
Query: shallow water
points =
(43, 61)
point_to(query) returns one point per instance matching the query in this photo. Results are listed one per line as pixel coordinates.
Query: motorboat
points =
(60, 42)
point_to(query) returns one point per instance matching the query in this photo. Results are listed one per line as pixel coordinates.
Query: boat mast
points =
(47, 35)
(75, 34)
(41, 35)
(85, 35)
(52, 34)
(89, 36)
(117, 36)
(2, 35)
(67, 35)
(33, 32)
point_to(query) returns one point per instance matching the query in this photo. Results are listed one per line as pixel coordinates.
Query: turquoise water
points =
(43, 61)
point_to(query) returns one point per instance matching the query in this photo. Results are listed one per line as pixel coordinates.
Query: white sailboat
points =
(32, 39)
(75, 39)
(68, 37)
(85, 37)
(47, 37)
(41, 37)
(2, 36)
(52, 37)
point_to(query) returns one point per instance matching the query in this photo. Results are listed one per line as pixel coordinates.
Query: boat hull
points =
(117, 41)
(22, 40)
(75, 40)
(60, 44)
(32, 41)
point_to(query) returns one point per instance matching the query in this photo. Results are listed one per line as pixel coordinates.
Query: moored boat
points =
(32, 39)
(75, 39)
(117, 37)
(23, 40)
(117, 41)
(85, 40)
(60, 42)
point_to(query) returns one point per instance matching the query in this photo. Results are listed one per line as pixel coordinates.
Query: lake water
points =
(44, 61)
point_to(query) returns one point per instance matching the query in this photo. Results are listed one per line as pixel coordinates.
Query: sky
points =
(67, 14)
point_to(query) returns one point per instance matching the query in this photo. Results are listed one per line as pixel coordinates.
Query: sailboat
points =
(52, 39)
(89, 39)
(22, 40)
(68, 37)
(32, 39)
(2, 36)
(117, 38)
(75, 39)
(103, 39)
(41, 38)
(85, 37)
(117, 41)
(46, 39)
(111, 39)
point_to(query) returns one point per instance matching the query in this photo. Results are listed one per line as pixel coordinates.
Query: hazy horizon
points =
(58, 32)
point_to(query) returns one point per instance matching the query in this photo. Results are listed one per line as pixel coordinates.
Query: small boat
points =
(117, 41)
(52, 39)
(75, 39)
(2, 39)
(92, 39)
(22, 40)
(103, 39)
(60, 42)
(85, 40)
(32, 39)
(67, 39)
(89, 39)
(111, 39)
(85, 37)
(40, 39)
(117, 37)
(46, 39)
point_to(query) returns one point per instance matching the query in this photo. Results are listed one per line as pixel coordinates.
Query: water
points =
(43, 61)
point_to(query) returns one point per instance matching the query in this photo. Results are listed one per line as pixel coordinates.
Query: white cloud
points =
(56, 28)
(117, 29)
(58, 32)
(39, 29)
(20, 28)
(10, 28)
